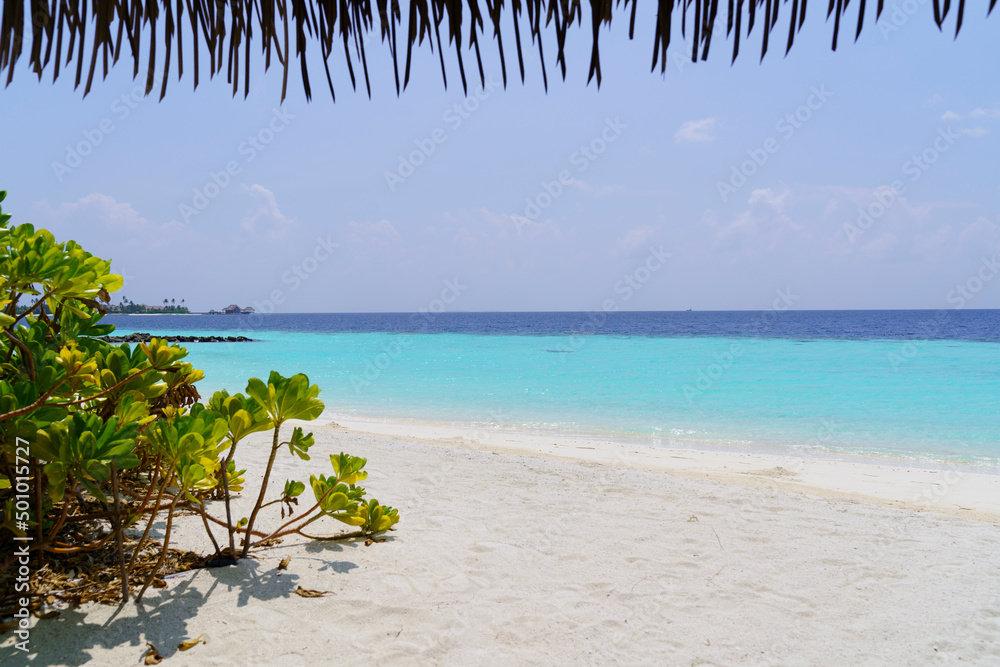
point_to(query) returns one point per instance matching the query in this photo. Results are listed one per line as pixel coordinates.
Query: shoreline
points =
(905, 459)
(959, 490)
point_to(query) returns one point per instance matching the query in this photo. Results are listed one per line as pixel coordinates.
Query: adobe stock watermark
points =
(897, 17)
(626, 288)
(985, 626)
(494, 416)
(299, 273)
(455, 116)
(392, 351)
(709, 376)
(966, 291)
(963, 293)
(786, 126)
(680, 53)
(121, 108)
(249, 148)
(22, 517)
(581, 158)
(885, 196)
(826, 435)
(931, 494)
(294, 277)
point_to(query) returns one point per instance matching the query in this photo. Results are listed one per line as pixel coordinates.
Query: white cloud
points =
(118, 217)
(727, 234)
(532, 229)
(880, 247)
(985, 113)
(380, 233)
(113, 213)
(838, 223)
(980, 235)
(765, 225)
(483, 228)
(266, 220)
(697, 130)
(979, 113)
(770, 198)
(633, 239)
(877, 225)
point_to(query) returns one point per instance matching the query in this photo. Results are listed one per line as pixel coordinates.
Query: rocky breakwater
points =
(144, 338)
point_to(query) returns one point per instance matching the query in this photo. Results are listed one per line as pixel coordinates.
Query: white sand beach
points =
(528, 549)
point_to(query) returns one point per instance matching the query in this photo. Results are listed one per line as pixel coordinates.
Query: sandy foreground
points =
(517, 548)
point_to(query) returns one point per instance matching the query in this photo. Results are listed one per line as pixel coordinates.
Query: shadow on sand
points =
(163, 616)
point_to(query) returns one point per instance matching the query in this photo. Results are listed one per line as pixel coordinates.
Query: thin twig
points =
(331, 538)
(106, 391)
(263, 487)
(163, 551)
(208, 530)
(34, 406)
(26, 312)
(309, 511)
(25, 352)
(119, 532)
(229, 515)
(149, 524)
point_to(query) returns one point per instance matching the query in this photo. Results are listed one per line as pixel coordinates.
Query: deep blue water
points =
(917, 384)
(968, 325)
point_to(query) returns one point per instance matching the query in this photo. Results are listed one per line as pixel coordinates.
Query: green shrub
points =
(88, 409)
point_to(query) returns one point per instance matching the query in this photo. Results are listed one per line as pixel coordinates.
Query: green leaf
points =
(55, 476)
(300, 444)
(347, 468)
(286, 398)
(94, 490)
(293, 489)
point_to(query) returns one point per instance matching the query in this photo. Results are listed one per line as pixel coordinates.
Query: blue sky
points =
(752, 178)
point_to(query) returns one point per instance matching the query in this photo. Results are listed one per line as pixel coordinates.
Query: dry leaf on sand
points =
(308, 593)
(191, 643)
(152, 656)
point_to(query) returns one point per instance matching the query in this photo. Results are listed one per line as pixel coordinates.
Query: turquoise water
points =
(929, 399)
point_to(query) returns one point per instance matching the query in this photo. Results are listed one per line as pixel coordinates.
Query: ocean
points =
(921, 386)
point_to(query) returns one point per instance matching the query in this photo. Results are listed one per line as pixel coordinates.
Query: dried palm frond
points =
(222, 31)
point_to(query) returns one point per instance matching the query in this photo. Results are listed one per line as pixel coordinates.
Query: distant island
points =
(128, 307)
(170, 307)
(233, 309)
(140, 337)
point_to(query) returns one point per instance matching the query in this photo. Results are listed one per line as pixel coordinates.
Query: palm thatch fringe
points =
(223, 29)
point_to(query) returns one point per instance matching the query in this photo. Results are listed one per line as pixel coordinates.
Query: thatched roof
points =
(81, 35)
